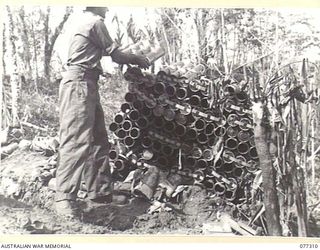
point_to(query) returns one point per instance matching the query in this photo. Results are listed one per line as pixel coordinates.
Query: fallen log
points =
(239, 227)
(33, 126)
(7, 150)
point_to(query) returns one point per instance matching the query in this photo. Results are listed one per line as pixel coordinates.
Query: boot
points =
(67, 209)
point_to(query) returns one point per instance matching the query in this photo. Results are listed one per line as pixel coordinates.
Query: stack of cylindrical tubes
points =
(174, 118)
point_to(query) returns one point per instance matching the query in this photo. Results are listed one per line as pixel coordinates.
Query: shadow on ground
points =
(118, 218)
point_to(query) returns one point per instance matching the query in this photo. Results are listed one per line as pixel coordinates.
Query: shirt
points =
(90, 41)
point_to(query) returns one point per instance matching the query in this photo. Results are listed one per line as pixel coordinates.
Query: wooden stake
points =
(33, 126)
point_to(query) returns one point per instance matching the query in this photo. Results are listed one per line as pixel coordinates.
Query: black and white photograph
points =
(121, 120)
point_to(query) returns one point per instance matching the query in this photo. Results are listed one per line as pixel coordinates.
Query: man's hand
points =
(128, 58)
(141, 61)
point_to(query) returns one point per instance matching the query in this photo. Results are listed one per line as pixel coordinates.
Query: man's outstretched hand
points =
(128, 58)
(142, 62)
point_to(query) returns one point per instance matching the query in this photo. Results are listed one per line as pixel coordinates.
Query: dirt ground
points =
(27, 207)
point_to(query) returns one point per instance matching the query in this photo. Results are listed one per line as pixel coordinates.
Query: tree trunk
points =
(46, 45)
(35, 57)
(26, 44)
(261, 135)
(4, 49)
(14, 79)
(224, 46)
(50, 41)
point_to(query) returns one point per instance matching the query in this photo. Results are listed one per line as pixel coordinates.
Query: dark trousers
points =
(84, 146)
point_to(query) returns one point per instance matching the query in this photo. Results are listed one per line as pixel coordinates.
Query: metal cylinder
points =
(161, 75)
(126, 125)
(169, 114)
(158, 88)
(169, 127)
(243, 136)
(252, 166)
(230, 195)
(200, 124)
(212, 141)
(163, 161)
(180, 118)
(129, 97)
(147, 154)
(128, 141)
(199, 176)
(196, 153)
(156, 146)
(119, 118)
(113, 154)
(180, 130)
(119, 165)
(244, 122)
(209, 184)
(204, 103)
(134, 133)
(125, 107)
(201, 164)
(242, 96)
(138, 105)
(150, 104)
(253, 153)
(232, 89)
(207, 154)
(181, 93)
(228, 167)
(121, 133)
(232, 119)
(142, 123)
(158, 110)
(219, 131)
(134, 115)
(202, 138)
(131, 87)
(232, 131)
(167, 150)
(227, 106)
(237, 172)
(231, 143)
(209, 129)
(170, 90)
(190, 118)
(113, 126)
(219, 163)
(190, 162)
(146, 112)
(240, 161)
(219, 188)
(191, 134)
(243, 148)
(158, 122)
(226, 156)
(146, 142)
(195, 100)
(252, 142)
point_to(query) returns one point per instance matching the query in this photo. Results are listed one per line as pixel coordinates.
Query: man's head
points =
(101, 11)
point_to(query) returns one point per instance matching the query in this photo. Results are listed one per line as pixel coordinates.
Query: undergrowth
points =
(42, 108)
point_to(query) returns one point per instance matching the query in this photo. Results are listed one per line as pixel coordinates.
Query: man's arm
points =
(126, 58)
(105, 42)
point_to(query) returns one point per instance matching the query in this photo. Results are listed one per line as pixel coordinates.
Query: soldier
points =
(84, 143)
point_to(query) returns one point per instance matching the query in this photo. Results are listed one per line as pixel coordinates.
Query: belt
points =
(86, 73)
